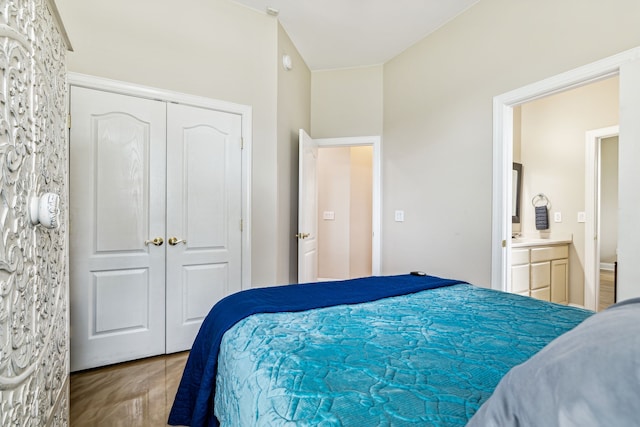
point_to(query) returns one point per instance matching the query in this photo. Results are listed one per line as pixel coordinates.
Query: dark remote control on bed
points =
(418, 273)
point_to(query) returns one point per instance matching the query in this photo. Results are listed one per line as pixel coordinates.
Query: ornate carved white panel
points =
(33, 160)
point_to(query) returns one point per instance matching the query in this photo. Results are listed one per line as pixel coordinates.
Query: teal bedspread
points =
(428, 358)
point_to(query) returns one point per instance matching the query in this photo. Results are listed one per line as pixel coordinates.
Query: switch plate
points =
(557, 216)
(399, 216)
(329, 215)
(582, 217)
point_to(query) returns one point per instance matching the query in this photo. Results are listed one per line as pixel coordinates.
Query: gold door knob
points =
(158, 241)
(174, 241)
(302, 235)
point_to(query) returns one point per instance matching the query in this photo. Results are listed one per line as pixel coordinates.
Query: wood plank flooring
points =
(132, 394)
(606, 295)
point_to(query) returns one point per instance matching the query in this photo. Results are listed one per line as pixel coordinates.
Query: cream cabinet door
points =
(117, 209)
(560, 281)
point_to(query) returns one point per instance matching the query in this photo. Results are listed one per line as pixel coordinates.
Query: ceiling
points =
(332, 34)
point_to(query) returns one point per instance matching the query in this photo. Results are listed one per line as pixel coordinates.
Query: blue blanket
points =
(430, 358)
(193, 404)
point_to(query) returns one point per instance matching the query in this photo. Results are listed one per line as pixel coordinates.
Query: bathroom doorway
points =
(549, 141)
(625, 64)
(601, 227)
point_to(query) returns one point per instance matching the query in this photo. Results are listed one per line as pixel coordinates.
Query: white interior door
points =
(155, 220)
(204, 212)
(117, 207)
(307, 210)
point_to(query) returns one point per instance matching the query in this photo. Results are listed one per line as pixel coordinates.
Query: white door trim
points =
(246, 113)
(503, 147)
(376, 143)
(592, 213)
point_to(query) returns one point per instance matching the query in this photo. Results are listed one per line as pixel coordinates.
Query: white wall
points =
(438, 95)
(553, 151)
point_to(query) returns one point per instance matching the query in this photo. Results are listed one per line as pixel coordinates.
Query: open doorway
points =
(549, 141)
(626, 65)
(363, 238)
(345, 190)
(601, 228)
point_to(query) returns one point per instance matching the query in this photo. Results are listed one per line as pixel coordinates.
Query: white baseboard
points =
(607, 266)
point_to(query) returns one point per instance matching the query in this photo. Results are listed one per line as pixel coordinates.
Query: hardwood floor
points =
(132, 394)
(606, 296)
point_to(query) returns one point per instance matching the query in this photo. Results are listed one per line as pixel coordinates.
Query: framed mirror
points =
(516, 182)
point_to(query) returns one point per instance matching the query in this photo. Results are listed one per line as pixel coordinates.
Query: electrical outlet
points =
(557, 216)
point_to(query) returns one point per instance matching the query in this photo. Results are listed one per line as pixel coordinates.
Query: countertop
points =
(525, 241)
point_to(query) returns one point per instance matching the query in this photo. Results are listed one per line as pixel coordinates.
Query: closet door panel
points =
(204, 211)
(121, 173)
(206, 204)
(117, 206)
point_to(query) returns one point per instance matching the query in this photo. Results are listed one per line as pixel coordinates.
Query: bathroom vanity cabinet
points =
(540, 269)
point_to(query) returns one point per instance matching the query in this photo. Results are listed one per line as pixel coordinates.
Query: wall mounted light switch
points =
(329, 215)
(582, 217)
(557, 216)
(399, 216)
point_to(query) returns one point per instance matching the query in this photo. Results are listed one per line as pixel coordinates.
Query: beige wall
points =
(437, 162)
(347, 102)
(360, 235)
(553, 157)
(294, 104)
(334, 192)
(216, 49)
(344, 188)
(609, 200)
(432, 103)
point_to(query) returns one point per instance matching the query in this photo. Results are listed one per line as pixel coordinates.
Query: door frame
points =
(593, 139)
(244, 111)
(376, 206)
(624, 64)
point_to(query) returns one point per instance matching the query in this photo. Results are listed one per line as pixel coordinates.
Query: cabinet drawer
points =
(542, 294)
(549, 252)
(540, 275)
(519, 256)
(520, 278)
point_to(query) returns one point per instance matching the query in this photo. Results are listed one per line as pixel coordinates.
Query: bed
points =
(382, 351)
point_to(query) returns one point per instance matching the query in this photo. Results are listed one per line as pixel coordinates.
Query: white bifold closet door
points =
(155, 223)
